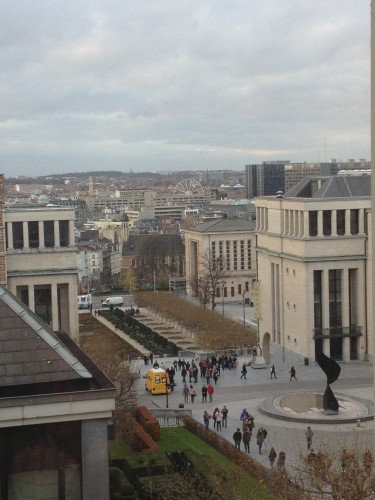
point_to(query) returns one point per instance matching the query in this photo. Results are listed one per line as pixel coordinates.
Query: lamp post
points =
(222, 294)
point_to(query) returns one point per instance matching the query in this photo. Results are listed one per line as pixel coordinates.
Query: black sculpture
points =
(332, 371)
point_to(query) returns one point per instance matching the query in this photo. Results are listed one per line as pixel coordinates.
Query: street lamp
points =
(222, 294)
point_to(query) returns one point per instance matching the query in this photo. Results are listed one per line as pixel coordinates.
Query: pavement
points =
(356, 380)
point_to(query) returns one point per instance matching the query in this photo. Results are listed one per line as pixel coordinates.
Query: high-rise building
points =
(265, 179)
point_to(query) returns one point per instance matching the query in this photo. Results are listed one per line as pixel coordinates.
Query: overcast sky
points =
(153, 85)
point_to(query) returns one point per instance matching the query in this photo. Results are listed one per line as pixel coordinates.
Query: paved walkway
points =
(356, 379)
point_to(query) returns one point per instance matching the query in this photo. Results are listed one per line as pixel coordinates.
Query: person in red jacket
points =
(210, 391)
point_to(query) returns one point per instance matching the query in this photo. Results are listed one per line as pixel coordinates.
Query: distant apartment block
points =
(265, 179)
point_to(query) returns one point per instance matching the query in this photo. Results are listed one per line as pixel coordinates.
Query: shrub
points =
(149, 423)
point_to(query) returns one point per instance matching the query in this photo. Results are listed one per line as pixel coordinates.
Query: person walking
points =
(260, 439)
(219, 419)
(206, 419)
(185, 392)
(273, 372)
(309, 434)
(204, 394)
(192, 393)
(246, 437)
(292, 372)
(210, 391)
(237, 438)
(281, 460)
(224, 412)
(264, 432)
(243, 371)
(272, 456)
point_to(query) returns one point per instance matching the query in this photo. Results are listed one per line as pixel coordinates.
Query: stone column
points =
(31, 298)
(56, 230)
(26, 243)
(320, 223)
(361, 223)
(95, 478)
(41, 234)
(55, 310)
(347, 222)
(333, 223)
(305, 224)
(10, 235)
(71, 233)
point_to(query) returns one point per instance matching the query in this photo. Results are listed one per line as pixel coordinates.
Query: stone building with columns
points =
(314, 268)
(231, 240)
(41, 262)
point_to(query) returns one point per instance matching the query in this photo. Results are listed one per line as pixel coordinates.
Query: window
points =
(249, 254)
(235, 263)
(354, 221)
(227, 244)
(64, 233)
(246, 286)
(49, 234)
(327, 230)
(232, 291)
(340, 222)
(313, 223)
(17, 228)
(33, 234)
(239, 289)
(242, 252)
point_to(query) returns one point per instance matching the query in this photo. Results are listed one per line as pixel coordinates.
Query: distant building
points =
(233, 242)
(265, 179)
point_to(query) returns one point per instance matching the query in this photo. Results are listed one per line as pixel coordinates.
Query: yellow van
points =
(157, 381)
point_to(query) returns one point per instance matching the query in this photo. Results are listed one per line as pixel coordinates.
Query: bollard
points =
(358, 422)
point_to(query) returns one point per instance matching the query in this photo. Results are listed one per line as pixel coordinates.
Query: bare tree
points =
(212, 273)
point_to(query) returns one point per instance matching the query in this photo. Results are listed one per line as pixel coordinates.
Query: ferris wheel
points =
(189, 187)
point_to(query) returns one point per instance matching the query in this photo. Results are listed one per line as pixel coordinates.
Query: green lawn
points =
(207, 457)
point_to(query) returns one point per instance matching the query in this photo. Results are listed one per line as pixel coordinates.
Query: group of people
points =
(219, 417)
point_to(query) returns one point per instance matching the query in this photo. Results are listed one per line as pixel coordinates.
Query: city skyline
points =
(182, 86)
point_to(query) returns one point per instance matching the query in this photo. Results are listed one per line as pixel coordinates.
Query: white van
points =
(112, 301)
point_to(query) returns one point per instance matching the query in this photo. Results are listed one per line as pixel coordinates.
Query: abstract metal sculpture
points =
(332, 371)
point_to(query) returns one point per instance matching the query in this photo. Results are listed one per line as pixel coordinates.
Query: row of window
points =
(19, 239)
(231, 250)
(223, 290)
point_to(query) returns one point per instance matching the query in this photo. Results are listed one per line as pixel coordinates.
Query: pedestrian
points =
(215, 376)
(210, 391)
(151, 358)
(281, 460)
(243, 371)
(273, 372)
(260, 439)
(183, 375)
(214, 416)
(224, 412)
(309, 434)
(244, 414)
(246, 439)
(272, 456)
(237, 438)
(185, 392)
(219, 419)
(265, 438)
(204, 394)
(292, 372)
(206, 419)
(192, 393)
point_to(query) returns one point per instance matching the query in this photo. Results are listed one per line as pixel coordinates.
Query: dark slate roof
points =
(340, 186)
(30, 353)
(223, 225)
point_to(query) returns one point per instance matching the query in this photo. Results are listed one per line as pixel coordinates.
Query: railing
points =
(170, 417)
(337, 332)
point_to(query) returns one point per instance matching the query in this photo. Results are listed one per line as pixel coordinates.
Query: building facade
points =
(41, 263)
(314, 268)
(265, 179)
(233, 242)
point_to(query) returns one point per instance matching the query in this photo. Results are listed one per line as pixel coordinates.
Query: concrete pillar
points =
(305, 224)
(361, 224)
(347, 222)
(71, 234)
(95, 479)
(55, 310)
(41, 234)
(320, 223)
(26, 243)
(56, 230)
(333, 223)
(345, 313)
(10, 235)
(31, 298)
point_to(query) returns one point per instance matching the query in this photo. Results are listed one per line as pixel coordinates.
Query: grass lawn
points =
(179, 439)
